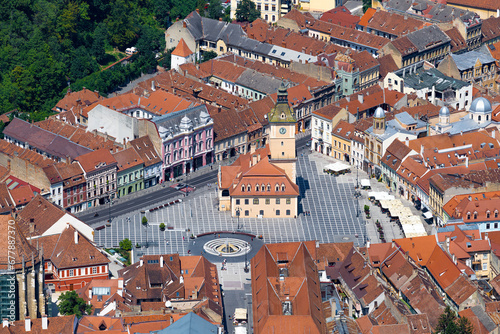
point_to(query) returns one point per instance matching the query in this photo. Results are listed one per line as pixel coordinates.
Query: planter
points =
(137, 246)
(261, 237)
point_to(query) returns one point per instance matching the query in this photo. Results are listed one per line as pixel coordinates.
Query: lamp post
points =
(146, 225)
(238, 211)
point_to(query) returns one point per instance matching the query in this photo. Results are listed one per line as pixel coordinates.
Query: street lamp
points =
(238, 211)
(146, 225)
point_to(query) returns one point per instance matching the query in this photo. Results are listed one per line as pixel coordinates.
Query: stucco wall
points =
(116, 124)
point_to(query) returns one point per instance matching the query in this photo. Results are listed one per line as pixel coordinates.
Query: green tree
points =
(448, 323)
(126, 244)
(366, 4)
(144, 220)
(207, 55)
(121, 24)
(98, 49)
(167, 59)
(215, 10)
(246, 11)
(70, 303)
(464, 326)
(162, 226)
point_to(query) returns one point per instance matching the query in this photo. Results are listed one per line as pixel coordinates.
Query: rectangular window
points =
(247, 201)
(255, 201)
(237, 202)
(247, 213)
(485, 266)
(94, 270)
(268, 201)
(288, 201)
(71, 272)
(277, 212)
(277, 201)
(288, 212)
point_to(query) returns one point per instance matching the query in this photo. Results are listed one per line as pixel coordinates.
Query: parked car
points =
(180, 186)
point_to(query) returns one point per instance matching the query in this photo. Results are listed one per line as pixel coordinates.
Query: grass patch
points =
(112, 57)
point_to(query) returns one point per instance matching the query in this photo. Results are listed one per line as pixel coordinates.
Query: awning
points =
(337, 167)
(428, 215)
(365, 183)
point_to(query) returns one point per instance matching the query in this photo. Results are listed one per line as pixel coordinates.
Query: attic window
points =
(475, 215)
(488, 214)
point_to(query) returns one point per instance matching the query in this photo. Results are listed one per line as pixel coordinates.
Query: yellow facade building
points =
(261, 183)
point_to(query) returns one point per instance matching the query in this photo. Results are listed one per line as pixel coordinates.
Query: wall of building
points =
(59, 226)
(175, 33)
(26, 171)
(123, 127)
(267, 207)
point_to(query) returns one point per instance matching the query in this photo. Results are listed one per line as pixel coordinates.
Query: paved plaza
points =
(328, 199)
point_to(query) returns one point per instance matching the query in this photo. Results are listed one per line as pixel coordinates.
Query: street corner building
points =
(261, 183)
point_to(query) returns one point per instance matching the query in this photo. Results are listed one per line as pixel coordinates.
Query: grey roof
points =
(172, 124)
(234, 36)
(191, 323)
(406, 118)
(444, 111)
(259, 81)
(428, 36)
(467, 60)
(484, 318)
(354, 6)
(44, 140)
(420, 79)
(466, 124)
(379, 113)
(438, 12)
(480, 105)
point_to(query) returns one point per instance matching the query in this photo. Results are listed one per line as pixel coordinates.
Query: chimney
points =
(45, 321)
(467, 162)
(447, 244)
(454, 258)
(220, 19)
(153, 88)
(348, 98)
(161, 261)
(27, 324)
(368, 244)
(76, 237)
(283, 44)
(486, 236)
(254, 160)
(5, 323)
(407, 141)
(141, 262)
(90, 293)
(67, 225)
(360, 98)
(198, 10)
(184, 24)
(120, 287)
(393, 244)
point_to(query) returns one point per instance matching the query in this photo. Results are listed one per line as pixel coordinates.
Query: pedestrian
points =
(194, 242)
(182, 238)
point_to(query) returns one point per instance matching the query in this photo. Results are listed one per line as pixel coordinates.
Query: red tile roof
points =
(182, 50)
(127, 159)
(94, 160)
(55, 325)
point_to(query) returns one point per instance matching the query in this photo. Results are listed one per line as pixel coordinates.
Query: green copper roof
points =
(281, 112)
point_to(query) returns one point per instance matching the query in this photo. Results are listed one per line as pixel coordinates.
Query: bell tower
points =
(282, 137)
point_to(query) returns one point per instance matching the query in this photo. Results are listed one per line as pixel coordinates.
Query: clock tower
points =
(282, 137)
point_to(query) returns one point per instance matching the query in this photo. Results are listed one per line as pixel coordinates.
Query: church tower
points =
(282, 137)
(379, 121)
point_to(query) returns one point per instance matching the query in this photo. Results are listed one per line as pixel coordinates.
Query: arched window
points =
(249, 188)
(256, 187)
(277, 187)
(262, 187)
(243, 188)
(282, 187)
(468, 215)
(268, 187)
(496, 213)
(475, 215)
(488, 214)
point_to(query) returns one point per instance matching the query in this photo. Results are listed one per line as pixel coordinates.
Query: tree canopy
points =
(70, 303)
(48, 44)
(449, 323)
(246, 11)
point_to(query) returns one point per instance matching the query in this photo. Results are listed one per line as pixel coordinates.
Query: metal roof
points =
(468, 60)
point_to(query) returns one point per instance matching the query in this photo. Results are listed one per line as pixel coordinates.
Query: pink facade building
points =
(187, 141)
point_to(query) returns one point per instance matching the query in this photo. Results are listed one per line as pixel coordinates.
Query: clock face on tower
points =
(282, 131)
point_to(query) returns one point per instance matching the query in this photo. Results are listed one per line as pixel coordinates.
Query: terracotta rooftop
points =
(390, 23)
(41, 213)
(55, 325)
(340, 16)
(329, 111)
(457, 41)
(23, 250)
(72, 250)
(95, 160)
(479, 4)
(127, 158)
(144, 147)
(77, 100)
(227, 123)
(182, 50)
(359, 37)
(490, 29)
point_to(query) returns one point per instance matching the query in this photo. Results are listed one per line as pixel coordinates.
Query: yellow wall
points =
(266, 204)
(483, 13)
(282, 147)
(338, 150)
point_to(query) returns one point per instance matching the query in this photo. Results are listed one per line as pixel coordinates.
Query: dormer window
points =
(249, 188)
(243, 188)
(468, 215)
(256, 187)
(282, 187)
(277, 187)
(488, 214)
(475, 215)
(496, 213)
(268, 187)
(262, 187)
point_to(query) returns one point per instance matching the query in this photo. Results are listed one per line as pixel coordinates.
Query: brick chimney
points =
(76, 237)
